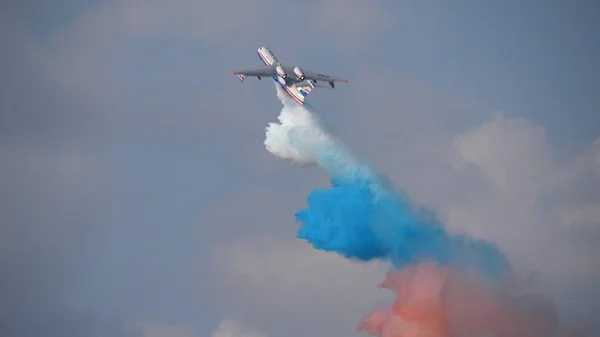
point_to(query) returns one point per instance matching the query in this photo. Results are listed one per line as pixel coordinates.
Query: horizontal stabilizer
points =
(322, 85)
(312, 84)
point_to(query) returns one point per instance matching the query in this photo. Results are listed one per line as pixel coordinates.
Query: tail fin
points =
(299, 91)
(304, 90)
(305, 87)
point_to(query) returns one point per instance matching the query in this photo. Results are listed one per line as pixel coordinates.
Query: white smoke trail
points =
(301, 138)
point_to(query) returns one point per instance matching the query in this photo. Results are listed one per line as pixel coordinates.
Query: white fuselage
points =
(298, 94)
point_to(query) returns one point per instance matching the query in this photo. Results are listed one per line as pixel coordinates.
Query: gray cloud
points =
(120, 130)
(352, 22)
(153, 329)
(284, 285)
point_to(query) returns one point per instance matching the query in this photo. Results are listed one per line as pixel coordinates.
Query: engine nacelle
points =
(281, 72)
(299, 73)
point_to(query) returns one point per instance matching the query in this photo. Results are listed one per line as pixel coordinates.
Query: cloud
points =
(152, 329)
(541, 210)
(52, 202)
(409, 126)
(73, 101)
(99, 81)
(281, 283)
(352, 22)
(228, 327)
(281, 267)
(47, 195)
(126, 73)
(533, 205)
(511, 153)
(235, 328)
(205, 21)
(232, 24)
(210, 21)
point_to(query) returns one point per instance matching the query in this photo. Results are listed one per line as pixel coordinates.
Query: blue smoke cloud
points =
(360, 216)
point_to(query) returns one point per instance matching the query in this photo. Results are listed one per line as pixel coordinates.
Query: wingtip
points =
(233, 73)
(346, 81)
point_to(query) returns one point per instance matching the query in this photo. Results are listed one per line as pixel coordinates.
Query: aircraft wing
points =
(311, 75)
(266, 71)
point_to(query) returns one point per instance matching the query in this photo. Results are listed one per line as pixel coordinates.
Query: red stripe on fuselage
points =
(263, 58)
(284, 86)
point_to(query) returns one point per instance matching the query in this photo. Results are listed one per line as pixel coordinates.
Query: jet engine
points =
(299, 73)
(281, 72)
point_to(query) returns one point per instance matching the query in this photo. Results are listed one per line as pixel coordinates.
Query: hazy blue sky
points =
(138, 198)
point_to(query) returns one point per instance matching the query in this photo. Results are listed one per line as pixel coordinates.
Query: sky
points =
(139, 200)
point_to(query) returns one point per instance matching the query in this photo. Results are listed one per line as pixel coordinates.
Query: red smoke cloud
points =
(433, 301)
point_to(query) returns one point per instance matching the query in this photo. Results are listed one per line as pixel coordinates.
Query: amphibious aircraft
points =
(298, 85)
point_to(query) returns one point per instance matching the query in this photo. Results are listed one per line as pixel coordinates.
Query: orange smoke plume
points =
(434, 301)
